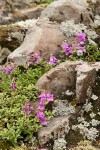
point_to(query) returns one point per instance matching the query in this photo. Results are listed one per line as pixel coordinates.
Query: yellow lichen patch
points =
(5, 36)
(19, 148)
(84, 145)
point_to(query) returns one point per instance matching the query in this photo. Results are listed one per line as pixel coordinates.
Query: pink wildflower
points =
(41, 105)
(78, 47)
(32, 52)
(41, 117)
(8, 69)
(67, 49)
(27, 108)
(50, 97)
(37, 57)
(34, 58)
(65, 45)
(13, 85)
(82, 48)
(43, 96)
(1, 69)
(80, 37)
(27, 66)
(46, 96)
(53, 60)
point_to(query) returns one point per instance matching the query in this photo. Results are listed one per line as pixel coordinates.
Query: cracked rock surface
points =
(56, 129)
(70, 77)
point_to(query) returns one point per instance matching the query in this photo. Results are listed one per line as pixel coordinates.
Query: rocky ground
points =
(27, 26)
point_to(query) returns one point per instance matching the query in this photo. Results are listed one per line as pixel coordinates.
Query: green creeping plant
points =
(14, 124)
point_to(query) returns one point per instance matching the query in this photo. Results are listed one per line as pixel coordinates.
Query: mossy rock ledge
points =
(11, 36)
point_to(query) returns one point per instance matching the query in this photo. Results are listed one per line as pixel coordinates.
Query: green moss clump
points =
(5, 31)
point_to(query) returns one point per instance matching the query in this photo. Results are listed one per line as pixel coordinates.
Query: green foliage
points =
(14, 124)
(92, 53)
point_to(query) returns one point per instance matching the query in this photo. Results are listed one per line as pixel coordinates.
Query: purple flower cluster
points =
(53, 60)
(67, 49)
(27, 108)
(13, 85)
(1, 69)
(43, 97)
(40, 110)
(78, 46)
(7, 70)
(34, 57)
(81, 37)
(41, 117)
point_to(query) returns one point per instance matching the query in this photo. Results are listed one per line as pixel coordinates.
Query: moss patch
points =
(5, 32)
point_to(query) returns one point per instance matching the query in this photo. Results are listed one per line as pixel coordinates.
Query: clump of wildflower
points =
(80, 37)
(67, 49)
(43, 97)
(27, 65)
(13, 85)
(46, 96)
(40, 110)
(32, 53)
(77, 47)
(41, 117)
(53, 60)
(34, 57)
(28, 108)
(8, 69)
(1, 69)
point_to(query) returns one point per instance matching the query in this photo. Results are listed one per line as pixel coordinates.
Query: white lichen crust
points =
(69, 28)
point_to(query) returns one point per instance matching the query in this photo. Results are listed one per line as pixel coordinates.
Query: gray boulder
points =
(62, 10)
(4, 52)
(16, 10)
(86, 77)
(58, 127)
(97, 7)
(74, 79)
(11, 36)
(59, 79)
(43, 36)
